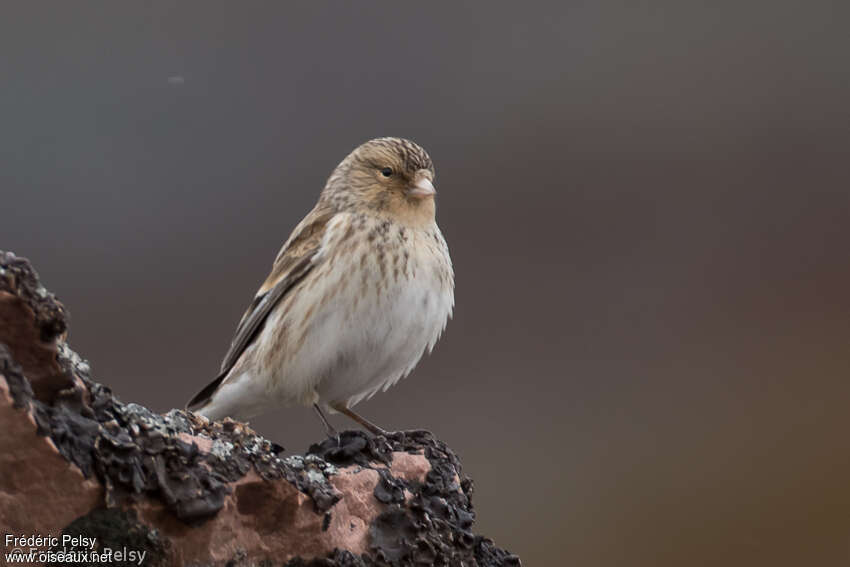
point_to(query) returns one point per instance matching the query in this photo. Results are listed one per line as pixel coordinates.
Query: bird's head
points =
(389, 175)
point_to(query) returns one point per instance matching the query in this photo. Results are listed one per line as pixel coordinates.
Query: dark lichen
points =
(117, 529)
(19, 386)
(133, 451)
(137, 454)
(18, 278)
(432, 525)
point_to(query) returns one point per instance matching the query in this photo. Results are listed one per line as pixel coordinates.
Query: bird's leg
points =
(374, 429)
(329, 429)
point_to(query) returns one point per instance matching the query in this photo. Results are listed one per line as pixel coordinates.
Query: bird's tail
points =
(203, 398)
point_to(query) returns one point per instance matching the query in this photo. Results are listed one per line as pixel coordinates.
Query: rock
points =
(77, 461)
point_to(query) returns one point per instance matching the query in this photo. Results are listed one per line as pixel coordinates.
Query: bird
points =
(360, 290)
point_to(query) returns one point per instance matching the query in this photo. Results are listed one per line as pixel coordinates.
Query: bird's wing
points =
(294, 261)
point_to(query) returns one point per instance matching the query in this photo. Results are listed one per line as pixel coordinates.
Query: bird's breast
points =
(364, 316)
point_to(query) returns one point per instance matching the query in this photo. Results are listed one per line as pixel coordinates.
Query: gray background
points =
(646, 203)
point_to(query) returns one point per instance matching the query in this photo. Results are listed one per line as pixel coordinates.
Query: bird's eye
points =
(387, 171)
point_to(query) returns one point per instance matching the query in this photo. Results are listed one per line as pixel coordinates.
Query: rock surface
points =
(74, 460)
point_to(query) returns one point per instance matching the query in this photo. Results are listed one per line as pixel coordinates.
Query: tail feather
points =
(204, 396)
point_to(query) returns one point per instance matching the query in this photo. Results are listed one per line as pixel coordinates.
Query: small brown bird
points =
(361, 289)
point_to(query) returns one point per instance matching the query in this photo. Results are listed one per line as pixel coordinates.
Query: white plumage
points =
(351, 328)
(360, 290)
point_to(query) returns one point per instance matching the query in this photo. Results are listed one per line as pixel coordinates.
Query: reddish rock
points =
(40, 492)
(75, 460)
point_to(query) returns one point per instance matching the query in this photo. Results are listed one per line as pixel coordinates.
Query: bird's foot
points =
(379, 432)
(367, 425)
(332, 433)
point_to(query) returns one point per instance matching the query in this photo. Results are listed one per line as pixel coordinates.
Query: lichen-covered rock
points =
(187, 491)
(40, 492)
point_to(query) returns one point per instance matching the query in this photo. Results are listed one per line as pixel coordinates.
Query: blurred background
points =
(647, 205)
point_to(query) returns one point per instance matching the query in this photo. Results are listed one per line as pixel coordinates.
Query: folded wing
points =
(295, 260)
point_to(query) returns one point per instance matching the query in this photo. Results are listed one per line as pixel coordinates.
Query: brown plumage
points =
(361, 288)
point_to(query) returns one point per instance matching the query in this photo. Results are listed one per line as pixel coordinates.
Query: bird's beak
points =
(422, 189)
